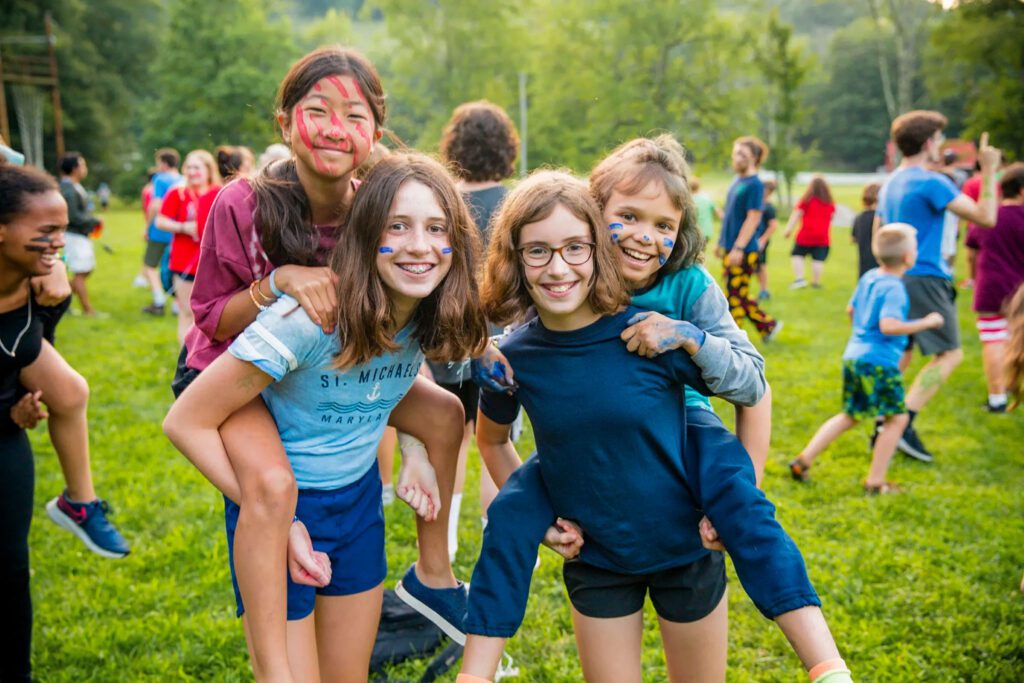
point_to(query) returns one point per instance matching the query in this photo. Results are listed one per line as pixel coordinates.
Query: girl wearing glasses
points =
(614, 457)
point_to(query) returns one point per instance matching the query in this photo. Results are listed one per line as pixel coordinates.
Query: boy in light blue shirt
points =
(872, 382)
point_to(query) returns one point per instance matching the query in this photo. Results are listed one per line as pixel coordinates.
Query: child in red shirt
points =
(814, 211)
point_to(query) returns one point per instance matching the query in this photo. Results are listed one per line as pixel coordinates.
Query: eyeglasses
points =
(574, 253)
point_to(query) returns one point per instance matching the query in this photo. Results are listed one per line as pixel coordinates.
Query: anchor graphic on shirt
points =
(375, 394)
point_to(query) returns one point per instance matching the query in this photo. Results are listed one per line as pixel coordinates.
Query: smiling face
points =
(415, 253)
(195, 171)
(30, 242)
(560, 290)
(644, 228)
(331, 130)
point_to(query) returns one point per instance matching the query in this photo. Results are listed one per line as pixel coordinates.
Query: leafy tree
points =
(440, 54)
(216, 75)
(909, 22)
(975, 56)
(603, 72)
(784, 64)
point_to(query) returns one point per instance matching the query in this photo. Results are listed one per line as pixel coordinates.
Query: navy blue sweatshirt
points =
(616, 455)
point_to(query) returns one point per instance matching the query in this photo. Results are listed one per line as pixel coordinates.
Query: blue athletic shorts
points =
(347, 524)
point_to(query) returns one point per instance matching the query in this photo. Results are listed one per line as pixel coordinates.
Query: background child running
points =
(863, 227)
(814, 212)
(272, 235)
(872, 382)
(769, 224)
(408, 264)
(548, 234)
(707, 210)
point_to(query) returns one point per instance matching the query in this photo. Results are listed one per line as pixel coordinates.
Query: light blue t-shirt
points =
(878, 295)
(330, 420)
(162, 183)
(919, 197)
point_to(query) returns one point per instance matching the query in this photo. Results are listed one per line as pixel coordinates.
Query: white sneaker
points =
(798, 284)
(140, 282)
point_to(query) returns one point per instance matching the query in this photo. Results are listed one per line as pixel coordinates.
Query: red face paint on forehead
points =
(317, 87)
(336, 82)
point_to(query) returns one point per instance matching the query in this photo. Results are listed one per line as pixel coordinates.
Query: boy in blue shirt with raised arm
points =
(872, 382)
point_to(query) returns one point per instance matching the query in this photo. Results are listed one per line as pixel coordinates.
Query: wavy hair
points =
(449, 322)
(504, 293)
(1013, 355)
(635, 164)
(282, 206)
(481, 142)
(818, 189)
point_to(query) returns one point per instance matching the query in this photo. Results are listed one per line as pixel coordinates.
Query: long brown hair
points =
(1013, 356)
(503, 293)
(632, 166)
(449, 322)
(282, 206)
(818, 189)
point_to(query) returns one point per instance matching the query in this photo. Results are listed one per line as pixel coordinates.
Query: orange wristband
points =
(470, 678)
(826, 666)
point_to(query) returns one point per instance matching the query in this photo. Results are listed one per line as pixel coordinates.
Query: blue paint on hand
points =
(446, 250)
(386, 250)
(615, 226)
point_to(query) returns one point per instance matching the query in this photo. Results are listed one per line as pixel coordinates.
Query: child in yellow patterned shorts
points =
(872, 382)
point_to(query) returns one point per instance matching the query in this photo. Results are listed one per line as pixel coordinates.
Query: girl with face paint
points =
(271, 235)
(409, 292)
(33, 220)
(615, 455)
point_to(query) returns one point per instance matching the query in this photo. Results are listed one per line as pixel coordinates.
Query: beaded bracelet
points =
(252, 295)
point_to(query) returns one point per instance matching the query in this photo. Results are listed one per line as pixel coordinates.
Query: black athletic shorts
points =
(183, 374)
(468, 393)
(816, 253)
(154, 253)
(680, 594)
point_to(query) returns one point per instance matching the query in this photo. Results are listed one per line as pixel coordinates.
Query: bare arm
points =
(168, 224)
(773, 225)
(314, 288)
(985, 210)
(791, 223)
(193, 422)
(496, 448)
(754, 430)
(747, 230)
(894, 326)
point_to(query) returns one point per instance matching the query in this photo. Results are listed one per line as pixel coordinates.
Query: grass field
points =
(917, 587)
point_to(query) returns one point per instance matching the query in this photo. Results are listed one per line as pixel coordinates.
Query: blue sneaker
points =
(444, 607)
(89, 522)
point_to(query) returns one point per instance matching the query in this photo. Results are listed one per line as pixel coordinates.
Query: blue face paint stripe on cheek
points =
(669, 243)
(615, 237)
(446, 250)
(386, 250)
(661, 259)
(615, 226)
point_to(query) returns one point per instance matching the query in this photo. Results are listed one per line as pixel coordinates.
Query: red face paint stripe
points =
(336, 82)
(300, 122)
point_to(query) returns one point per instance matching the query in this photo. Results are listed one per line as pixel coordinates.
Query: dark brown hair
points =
(1013, 364)
(817, 189)
(637, 163)
(169, 156)
(69, 162)
(911, 130)
(282, 206)
(1012, 182)
(758, 148)
(16, 183)
(230, 159)
(869, 197)
(480, 142)
(449, 323)
(503, 293)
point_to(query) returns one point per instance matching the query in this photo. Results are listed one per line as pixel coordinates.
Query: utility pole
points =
(523, 165)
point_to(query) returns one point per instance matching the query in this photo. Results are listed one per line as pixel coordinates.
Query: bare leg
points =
(346, 627)
(66, 395)
(817, 268)
(798, 267)
(482, 656)
(807, 632)
(435, 417)
(609, 648)
(266, 508)
(156, 287)
(762, 277)
(992, 360)
(931, 377)
(183, 295)
(696, 652)
(826, 434)
(82, 292)
(885, 448)
(386, 455)
(754, 429)
(905, 359)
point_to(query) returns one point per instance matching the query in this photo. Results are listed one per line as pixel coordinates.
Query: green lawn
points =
(917, 587)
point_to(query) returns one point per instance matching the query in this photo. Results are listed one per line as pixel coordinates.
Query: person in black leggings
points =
(33, 217)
